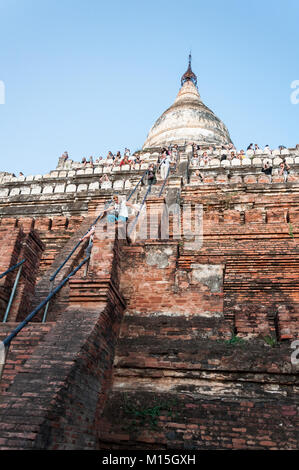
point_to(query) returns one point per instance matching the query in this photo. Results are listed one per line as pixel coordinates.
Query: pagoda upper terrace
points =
(73, 177)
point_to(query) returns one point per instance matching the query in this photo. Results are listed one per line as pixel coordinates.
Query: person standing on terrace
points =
(151, 175)
(164, 166)
(125, 161)
(241, 155)
(175, 153)
(205, 158)
(284, 170)
(267, 169)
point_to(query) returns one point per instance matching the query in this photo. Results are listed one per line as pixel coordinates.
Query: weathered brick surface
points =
(20, 349)
(175, 388)
(185, 420)
(32, 248)
(180, 377)
(56, 233)
(55, 398)
(163, 288)
(10, 246)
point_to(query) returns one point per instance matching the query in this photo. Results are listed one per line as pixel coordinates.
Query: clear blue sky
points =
(91, 76)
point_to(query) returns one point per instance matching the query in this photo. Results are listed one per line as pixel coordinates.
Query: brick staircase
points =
(55, 234)
(57, 374)
(61, 250)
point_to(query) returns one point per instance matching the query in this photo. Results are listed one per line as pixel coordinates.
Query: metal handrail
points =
(29, 317)
(144, 199)
(12, 268)
(4, 345)
(138, 213)
(188, 166)
(133, 191)
(52, 278)
(12, 293)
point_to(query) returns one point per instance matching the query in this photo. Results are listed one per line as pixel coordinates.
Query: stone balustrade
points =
(73, 177)
(253, 161)
(63, 174)
(72, 181)
(217, 152)
(67, 186)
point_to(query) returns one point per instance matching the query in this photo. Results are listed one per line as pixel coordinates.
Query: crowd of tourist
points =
(169, 156)
(202, 157)
(229, 152)
(167, 159)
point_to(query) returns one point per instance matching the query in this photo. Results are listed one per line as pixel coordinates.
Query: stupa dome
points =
(188, 120)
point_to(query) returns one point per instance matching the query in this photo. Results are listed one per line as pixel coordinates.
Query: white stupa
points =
(187, 120)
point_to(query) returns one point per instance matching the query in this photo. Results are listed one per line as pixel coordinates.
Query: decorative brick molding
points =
(17, 246)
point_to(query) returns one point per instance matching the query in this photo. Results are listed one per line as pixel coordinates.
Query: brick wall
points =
(201, 358)
(55, 397)
(10, 246)
(204, 355)
(17, 245)
(21, 349)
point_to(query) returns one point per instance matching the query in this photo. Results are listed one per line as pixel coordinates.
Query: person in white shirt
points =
(164, 166)
(118, 213)
(267, 149)
(119, 210)
(175, 153)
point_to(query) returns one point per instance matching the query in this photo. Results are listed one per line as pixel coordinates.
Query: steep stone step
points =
(42, 288)
(20, 349)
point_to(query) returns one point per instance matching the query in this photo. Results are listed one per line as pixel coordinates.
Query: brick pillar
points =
(8, 222)
(27, 224)
(31, 251)
(174, 181)
(42, 224)
(59, 223)
(10, 246)
(102, 278)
